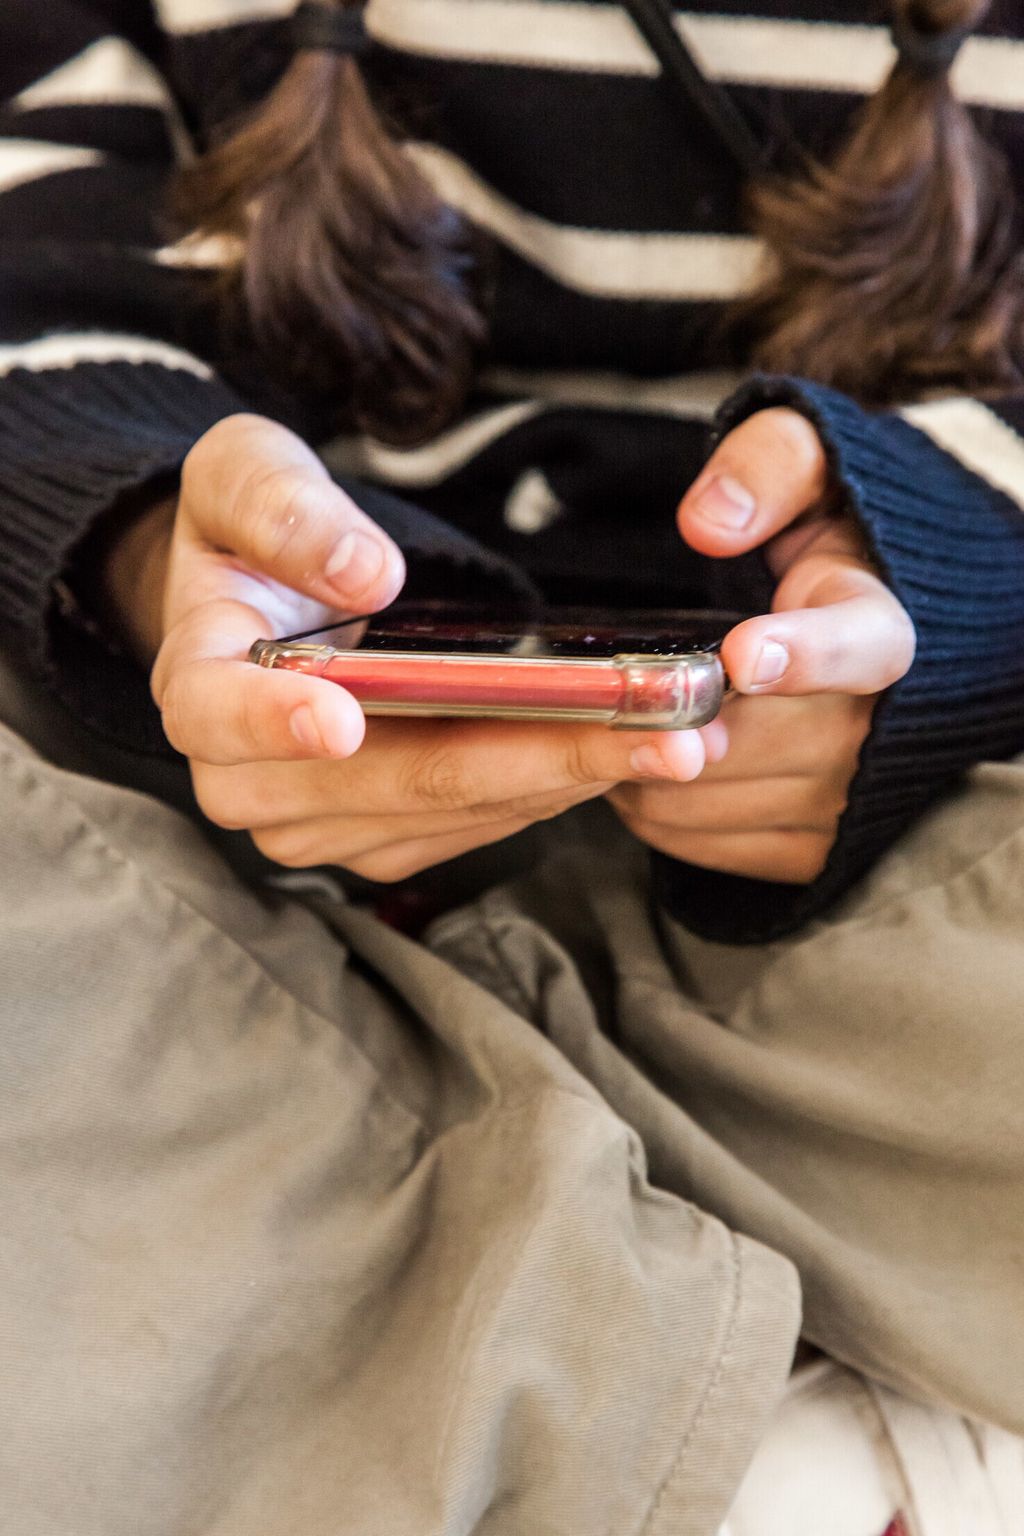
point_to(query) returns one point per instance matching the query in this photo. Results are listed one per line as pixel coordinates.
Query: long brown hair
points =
(890, 271)
(898, 267)
(354, 279)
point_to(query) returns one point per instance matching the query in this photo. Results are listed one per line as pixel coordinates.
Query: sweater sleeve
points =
(102, 389)
(938, 490)
(112, 364)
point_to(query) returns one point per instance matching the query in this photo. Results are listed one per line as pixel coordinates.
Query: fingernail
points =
(725, 502)
(770, 664)
(356, 562)
(649, 761)
(306, 731)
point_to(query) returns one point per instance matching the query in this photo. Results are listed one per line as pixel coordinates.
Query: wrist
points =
(112, 586)
(132, 578)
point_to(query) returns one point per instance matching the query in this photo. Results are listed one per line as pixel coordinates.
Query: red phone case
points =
(628, 692)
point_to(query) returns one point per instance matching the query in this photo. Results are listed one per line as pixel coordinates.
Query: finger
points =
(764, 474)
(385, 862)
(778, 737)
(428, 769)
(449, 765)
(255, 490)
(218, 708)
(749, 806)
(331, 825)
(791, 856)
(715, 737)
(858, 644)
(438, 767)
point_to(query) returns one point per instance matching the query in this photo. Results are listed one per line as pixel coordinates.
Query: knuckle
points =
(218, 800)
(825, 663)
(797, 438)
(527, 807)
(903, 646)
(628, 804)
(278, 510)
(196, 464)
(656, 803)
(437, 779)
(534, 808)
(800, 857)
(814, 858)
(289, 846)
(386, 866)
(249, 723)
(642, 829)
(633, 803)
(848, 740)
(158, 675)
(578, 768)
(548, 810)
(208, 450)
(174, 712)
(821, 807)
(622, 808)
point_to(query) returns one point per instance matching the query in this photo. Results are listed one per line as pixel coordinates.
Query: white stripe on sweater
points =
(25, 160)
(695, 396)
(69, 349)
(109, 71)
(203, 252)
(606, 264)
(433, 463)
(570, 34)
(977, 437)
(181, 17)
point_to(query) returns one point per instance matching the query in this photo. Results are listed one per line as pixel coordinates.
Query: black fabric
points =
(328, 29)
(615, 175)
(655, 20)
(589, 170)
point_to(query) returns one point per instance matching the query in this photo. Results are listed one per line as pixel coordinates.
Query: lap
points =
(301, 1224)
(282, 1191)
(853, 1095)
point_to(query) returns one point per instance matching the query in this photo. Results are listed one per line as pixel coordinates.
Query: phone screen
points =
(435, 628)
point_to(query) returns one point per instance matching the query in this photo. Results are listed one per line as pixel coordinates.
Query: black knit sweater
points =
(617, 236)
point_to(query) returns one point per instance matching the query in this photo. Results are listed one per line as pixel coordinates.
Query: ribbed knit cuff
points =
(74, 441)
(951, 546)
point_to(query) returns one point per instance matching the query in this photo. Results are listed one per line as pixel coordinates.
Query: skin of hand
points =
(806, 676)
(261, 542)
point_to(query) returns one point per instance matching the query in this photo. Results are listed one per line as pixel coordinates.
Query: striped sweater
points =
(616, 226)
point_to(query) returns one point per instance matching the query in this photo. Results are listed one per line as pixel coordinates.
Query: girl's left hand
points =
(806, 676)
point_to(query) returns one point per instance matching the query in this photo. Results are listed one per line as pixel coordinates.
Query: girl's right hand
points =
(261, 542)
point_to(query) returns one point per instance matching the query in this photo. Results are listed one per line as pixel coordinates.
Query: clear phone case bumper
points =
(627, 692)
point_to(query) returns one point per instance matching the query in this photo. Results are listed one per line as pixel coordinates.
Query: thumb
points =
(255, 491)
(855, 638)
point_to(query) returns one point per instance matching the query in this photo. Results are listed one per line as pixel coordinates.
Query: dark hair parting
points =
(926, 53)
(317, 28)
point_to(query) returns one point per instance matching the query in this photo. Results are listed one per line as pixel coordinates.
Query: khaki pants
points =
(305, 1228)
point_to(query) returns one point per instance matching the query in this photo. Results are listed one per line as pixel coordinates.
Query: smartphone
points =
(646, 671)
